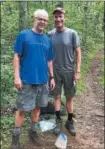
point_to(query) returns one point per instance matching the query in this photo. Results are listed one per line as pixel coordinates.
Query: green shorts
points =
(65, 80)
(31, 96)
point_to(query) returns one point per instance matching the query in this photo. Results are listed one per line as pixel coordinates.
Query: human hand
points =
(76, 75)
(52, 84)
(18, 83)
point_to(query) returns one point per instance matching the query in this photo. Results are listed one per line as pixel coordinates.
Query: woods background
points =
(86, 17)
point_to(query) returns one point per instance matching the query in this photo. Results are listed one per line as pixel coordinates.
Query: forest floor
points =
(89, 121)
(89, 110)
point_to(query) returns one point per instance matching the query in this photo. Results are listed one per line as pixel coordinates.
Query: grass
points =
(101, 80)
(7, 125)
(86, 63)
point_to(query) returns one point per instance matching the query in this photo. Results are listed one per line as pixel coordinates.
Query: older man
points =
(66, 46)
(33, 58)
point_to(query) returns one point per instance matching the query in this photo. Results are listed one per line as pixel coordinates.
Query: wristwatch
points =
(52, 77)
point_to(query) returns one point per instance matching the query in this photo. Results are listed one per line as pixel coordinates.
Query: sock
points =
(70, 115)
(33, 125)
(16, 131)
(58, 114)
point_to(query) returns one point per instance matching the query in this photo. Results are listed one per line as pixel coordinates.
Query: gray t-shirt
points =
(64, 45)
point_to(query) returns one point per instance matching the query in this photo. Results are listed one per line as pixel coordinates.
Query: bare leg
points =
(19, 118)
(69, 104)
(57, 103)
(35, 114)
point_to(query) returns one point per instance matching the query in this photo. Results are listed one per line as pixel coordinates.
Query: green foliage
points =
(7, 123)
(85, 17)
(102, 71)
(7, 89)
(86, 63)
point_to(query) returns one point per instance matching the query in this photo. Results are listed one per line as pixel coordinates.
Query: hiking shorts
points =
(31, 96)
(65, 80)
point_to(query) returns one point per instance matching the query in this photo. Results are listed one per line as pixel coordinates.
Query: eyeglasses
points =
(41, 19)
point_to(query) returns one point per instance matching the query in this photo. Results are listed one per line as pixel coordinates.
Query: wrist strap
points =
(52, 77)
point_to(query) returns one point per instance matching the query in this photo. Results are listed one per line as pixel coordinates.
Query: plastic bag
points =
(61, 142)
(46, 125)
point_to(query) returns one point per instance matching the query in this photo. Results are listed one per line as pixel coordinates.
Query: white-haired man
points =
(33, 58)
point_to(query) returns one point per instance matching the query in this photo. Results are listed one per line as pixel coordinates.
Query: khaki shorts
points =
(65, 80)
(31, 96)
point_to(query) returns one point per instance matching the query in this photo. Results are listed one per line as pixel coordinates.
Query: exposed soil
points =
(89, 110)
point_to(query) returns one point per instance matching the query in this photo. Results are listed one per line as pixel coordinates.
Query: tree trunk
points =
(60, 4)
(104, 20)
(85, 26)
(22, 15)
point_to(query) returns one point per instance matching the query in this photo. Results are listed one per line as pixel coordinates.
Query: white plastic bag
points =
(61, 142)
(46, 125)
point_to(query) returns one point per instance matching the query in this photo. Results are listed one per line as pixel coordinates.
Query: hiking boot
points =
(58, 127)
(70, 127)
(15, 142)
(34, 137)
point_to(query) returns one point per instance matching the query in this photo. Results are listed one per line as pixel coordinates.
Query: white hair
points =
(40, 12)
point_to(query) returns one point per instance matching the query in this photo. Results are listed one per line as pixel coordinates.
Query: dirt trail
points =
(89, 109)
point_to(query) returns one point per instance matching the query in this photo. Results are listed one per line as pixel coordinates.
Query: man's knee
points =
(19, 113)
(36, 109)
(58, 97)
(69, 98)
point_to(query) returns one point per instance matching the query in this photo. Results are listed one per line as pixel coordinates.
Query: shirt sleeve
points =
(18, 46)
(51, 52)
(76, 40)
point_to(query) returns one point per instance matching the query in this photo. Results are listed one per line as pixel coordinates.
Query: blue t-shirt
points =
(35, 51)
